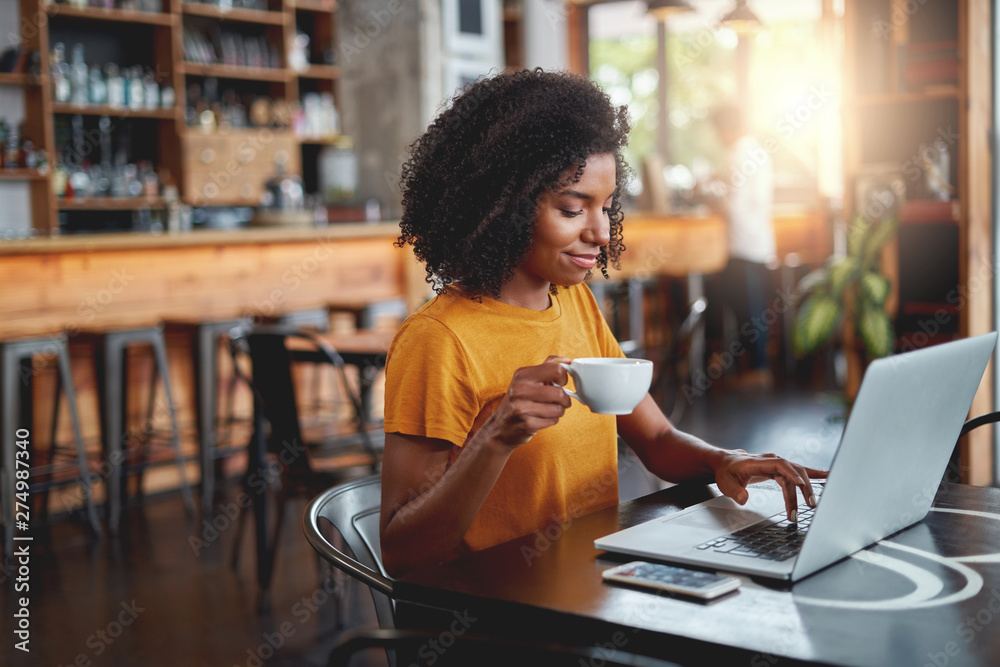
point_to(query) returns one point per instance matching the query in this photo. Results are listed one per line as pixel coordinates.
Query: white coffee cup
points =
(608, 385)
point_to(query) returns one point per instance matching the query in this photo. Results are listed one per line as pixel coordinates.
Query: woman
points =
(511, 198)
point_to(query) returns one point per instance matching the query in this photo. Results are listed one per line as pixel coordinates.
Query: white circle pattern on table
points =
(927, 585)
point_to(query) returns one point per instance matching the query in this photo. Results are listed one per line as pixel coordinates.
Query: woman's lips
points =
(583, 261)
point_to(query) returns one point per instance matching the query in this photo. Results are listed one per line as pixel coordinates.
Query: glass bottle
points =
(338, 169)
(59, 176)
(136, 92)
(60, 74)
(79, 180)
(4, 131)
(167, 98)
(80, 77)
(98, 87)
(115, 86)
(29, 156)
(13, 148)
(151, 90)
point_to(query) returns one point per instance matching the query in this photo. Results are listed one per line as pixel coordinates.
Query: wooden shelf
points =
(114, 15)
(23, 175)
(275, 74)
(17, 79)
(241, 15)
(907, 98)
(317, 141)
(163, 33)
(320, 72)
(111, 204)
(119, 112)
(319, 6)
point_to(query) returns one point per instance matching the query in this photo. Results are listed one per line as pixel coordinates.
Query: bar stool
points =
(17, 372)
(205, 339)
(111, 349)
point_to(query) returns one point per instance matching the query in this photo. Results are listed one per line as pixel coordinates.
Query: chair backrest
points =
(353, 509)
(274, 386)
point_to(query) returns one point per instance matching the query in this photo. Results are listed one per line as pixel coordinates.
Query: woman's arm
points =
(427, 505)
(677, 456)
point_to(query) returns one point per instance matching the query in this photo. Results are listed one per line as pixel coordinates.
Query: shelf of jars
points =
(241, 15)
(111, 14)
(237, 71)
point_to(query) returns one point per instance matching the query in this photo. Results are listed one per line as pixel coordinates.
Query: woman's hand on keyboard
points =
(740, 469)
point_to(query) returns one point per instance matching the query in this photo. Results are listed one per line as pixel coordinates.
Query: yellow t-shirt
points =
(451, 364)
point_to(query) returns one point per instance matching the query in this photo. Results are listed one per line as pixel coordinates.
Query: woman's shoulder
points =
(439, 319)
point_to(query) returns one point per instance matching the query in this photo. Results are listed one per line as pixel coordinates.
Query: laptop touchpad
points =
(716, 518)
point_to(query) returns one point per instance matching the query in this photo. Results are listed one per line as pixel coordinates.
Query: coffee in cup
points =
(609, 385)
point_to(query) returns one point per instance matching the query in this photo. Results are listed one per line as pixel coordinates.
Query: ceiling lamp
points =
(666, 9)
(742, 19)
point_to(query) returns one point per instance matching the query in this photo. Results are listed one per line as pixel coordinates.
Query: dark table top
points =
(929, 595)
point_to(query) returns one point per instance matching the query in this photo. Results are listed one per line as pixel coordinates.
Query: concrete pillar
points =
(380, 90)
(546, 34)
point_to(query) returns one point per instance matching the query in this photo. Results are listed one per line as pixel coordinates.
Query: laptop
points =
(892, 456)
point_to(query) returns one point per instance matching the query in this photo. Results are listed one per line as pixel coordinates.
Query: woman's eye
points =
(570, 214)
(607, 211)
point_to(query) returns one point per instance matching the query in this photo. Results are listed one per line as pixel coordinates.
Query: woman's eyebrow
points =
(581, 195)
(577, 194)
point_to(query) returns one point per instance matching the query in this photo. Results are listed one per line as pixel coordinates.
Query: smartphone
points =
(695, 583)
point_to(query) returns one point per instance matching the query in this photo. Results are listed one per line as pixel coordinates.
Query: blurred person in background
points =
(744, 198)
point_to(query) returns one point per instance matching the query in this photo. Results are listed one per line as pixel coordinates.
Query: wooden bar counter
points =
(104, 281)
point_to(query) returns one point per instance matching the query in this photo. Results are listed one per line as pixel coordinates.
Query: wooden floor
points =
(154, 597)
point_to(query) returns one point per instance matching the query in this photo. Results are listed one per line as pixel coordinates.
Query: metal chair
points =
(306, 467)
(953, 473)
(353, 509)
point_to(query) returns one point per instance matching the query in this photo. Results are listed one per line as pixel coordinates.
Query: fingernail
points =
(811, 500)
(793, 516)
(743, 498)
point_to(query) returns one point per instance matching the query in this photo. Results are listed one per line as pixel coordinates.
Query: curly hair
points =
(473, 180)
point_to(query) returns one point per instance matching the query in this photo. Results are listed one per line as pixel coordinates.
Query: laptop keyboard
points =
(769, 541)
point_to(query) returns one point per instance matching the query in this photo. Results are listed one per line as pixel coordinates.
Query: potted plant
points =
(849, 295)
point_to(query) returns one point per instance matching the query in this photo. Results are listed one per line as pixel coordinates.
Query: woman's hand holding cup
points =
(534, 400)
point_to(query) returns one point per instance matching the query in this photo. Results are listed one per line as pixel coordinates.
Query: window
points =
(793, 89)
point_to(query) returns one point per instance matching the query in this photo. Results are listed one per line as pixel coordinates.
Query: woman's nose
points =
(598, 229)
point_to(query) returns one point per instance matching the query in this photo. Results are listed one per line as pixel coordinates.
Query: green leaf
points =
(815, 322)
(875, 330)
(875, 288)
(857, 234)
(811, 281)
(841, 273)
(879, 235)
